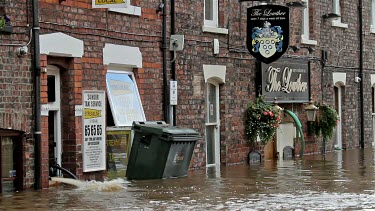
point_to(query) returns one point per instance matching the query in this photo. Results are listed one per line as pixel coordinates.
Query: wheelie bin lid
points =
(167, 132)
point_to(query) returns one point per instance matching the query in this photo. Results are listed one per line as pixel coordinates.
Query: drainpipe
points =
(36, 68)
(362, 143)
(164, 53)
(173, 64)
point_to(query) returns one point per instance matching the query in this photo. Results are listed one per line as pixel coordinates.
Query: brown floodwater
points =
(341, 180)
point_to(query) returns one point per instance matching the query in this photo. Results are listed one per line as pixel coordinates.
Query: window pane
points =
(51, 88)
(208, 6)
(210, 144)
(124, 99)
(211, 103)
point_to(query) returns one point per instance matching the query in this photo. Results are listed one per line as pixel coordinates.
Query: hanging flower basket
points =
(2, 22)
(261, 119)
(5, 26)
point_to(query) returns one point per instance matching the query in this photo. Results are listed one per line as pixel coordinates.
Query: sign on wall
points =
(109, 3)
(287, 81)
(267, 36)
(93, 130)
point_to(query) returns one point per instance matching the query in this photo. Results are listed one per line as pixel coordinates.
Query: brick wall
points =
(96, 27)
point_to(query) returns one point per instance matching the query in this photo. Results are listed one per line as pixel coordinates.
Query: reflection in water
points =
(342, 180)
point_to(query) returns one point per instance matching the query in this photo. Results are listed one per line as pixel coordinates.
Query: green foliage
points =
(261, 119)
(327, 120)
(2, 22)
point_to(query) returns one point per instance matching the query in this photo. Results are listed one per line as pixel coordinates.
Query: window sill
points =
(308, 41)
(131, 10)
(372, 29)
(336, 23)
(214, 30)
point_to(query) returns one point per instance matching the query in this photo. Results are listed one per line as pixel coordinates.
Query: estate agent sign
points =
(93, 146)
(267, 32)
(286, 81)
(109, 3)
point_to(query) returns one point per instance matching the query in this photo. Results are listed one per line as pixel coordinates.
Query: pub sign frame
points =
(284, 81)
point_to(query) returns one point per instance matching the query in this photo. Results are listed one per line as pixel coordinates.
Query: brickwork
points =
(16, 86)
(97, 27)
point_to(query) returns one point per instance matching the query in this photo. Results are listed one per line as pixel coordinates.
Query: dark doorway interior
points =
(11, 157)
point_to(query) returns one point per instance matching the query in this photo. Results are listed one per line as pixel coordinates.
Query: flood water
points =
(342, 180)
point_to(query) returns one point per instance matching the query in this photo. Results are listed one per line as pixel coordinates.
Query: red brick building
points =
(79, 47)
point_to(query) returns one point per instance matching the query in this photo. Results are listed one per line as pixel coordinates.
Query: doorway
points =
(373, 115)
(11, 161)
(212, 126)
(339, 90)
(54, 118)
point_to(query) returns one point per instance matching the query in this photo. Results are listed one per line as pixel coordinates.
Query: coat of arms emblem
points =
(268, 32)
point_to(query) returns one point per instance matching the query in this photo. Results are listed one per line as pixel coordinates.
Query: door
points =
(54, 116)
(212, 125)
(373, 115)
(338, 107)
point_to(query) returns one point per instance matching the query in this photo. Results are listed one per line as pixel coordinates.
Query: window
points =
(373, 99)
(337, 9)
(124, 99)
(372, 16)
(211, 17)
(305, 36)
(211, 13)
(5, 21)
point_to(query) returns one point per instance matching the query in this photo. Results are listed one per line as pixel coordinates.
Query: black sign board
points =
(254, 157)
(267, 32)
(286, 81)
(288, 153)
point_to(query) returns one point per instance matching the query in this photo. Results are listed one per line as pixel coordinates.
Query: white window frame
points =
(215, 14)
(372, 27)
(337, 10)
(213, 25)
(129, 10)
(305, 35)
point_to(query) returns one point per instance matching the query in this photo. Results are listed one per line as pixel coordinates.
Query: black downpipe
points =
(173, 64)
(36, 69)
(164, 52)
(362, 142)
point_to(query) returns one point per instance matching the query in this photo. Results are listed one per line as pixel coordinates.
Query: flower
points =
(262, 119)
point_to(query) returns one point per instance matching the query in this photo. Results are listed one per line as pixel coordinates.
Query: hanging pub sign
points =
(284, 81)
(267, 32)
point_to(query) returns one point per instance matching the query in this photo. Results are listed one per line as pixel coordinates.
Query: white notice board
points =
(124, 99)
(93, 131)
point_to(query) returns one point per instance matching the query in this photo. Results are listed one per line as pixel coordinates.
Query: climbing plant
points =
(261, 119)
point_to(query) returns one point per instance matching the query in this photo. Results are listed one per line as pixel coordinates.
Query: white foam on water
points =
(105, 186)
(77, 183)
